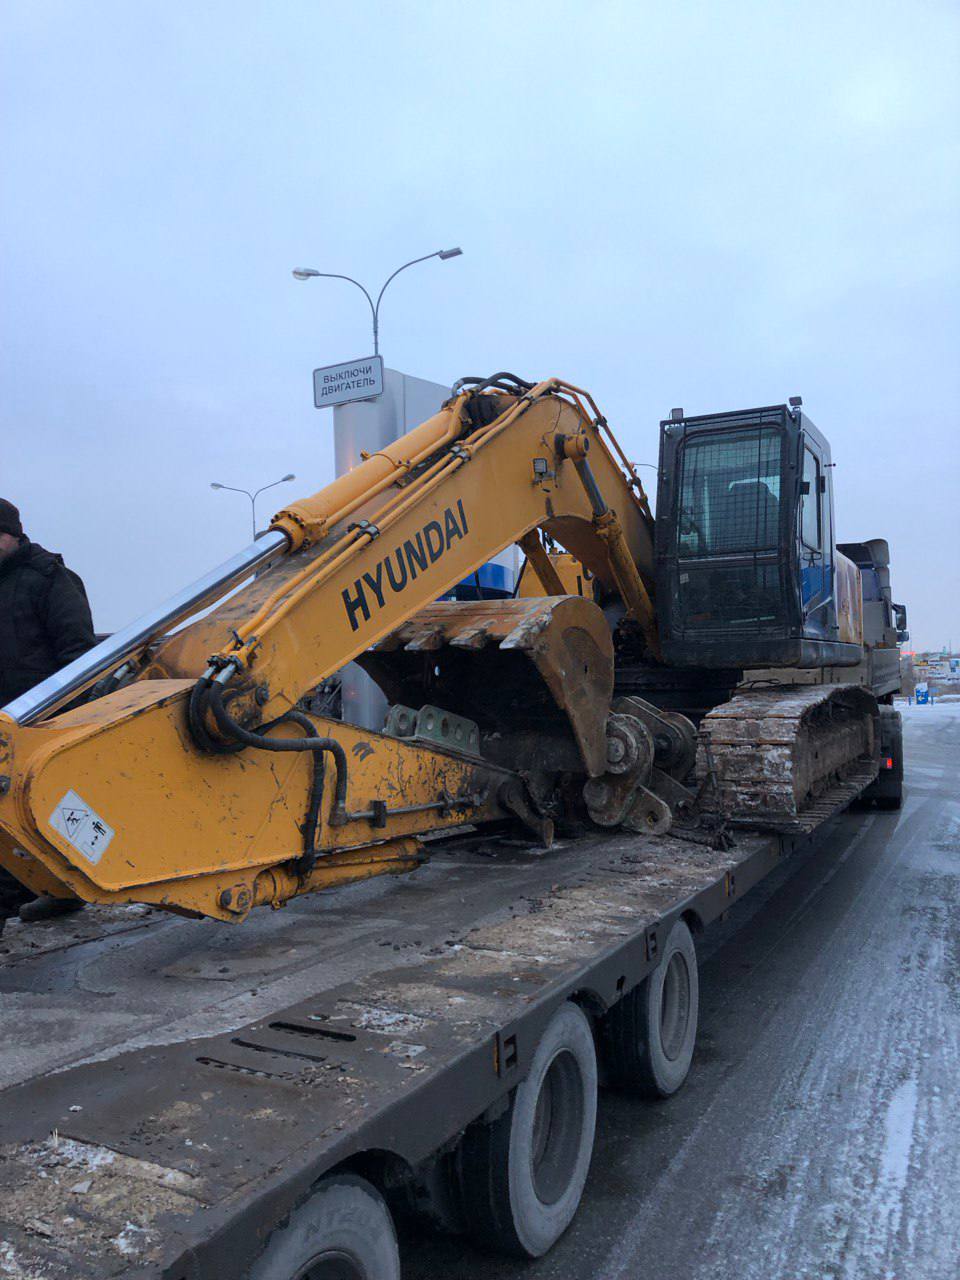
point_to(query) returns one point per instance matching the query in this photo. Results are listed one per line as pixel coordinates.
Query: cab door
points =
(815, 537)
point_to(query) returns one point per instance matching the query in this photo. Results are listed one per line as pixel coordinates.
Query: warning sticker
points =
(82, 826)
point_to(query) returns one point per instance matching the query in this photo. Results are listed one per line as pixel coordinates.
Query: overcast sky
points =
(709, 205)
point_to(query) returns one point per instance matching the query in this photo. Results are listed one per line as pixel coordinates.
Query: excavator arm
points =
(195, 781)
(410, 522)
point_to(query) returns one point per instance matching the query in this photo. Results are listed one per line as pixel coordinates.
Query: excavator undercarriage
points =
(785, 758)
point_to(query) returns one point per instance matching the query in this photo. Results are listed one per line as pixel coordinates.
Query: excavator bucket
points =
(473, 659)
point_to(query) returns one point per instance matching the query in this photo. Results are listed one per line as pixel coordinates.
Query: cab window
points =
(810, 502)
(730, 493)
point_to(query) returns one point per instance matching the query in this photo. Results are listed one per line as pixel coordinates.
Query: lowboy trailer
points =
(377, 1049)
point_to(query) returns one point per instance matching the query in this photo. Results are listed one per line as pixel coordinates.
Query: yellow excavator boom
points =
(410, 522)
(194, 780)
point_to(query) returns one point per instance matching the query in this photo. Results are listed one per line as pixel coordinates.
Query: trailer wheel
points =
(343, 1232)
(520, 1178)
(649, 1035)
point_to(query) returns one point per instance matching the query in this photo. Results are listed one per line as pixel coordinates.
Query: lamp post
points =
(308, 273)
(214, 484)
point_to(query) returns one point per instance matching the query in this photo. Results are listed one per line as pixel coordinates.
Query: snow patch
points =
(131, 1239)
(12, 1267)
(895, 1157)
(79, 1155)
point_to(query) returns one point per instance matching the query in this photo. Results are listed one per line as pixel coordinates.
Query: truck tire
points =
(343, 1232)
(520, 1178)
(648, 1036)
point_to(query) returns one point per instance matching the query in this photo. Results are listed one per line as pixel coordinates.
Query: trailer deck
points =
(171, 1087)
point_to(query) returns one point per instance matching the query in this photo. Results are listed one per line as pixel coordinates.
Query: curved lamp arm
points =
(272, 485)
(440, 253)
(308, 273)
(214, 484)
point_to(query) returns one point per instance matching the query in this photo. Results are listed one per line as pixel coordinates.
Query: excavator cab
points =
(748, 572)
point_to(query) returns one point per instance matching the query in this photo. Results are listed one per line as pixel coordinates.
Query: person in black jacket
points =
(44, 624)
(44, 615)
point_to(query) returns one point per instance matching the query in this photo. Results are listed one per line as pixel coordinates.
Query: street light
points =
(308, 273)
(214, 484)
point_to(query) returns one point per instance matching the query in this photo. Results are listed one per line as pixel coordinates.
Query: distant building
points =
(939, 669)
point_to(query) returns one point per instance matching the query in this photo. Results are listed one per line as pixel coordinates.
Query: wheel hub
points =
(333, 1264)
(557, 1126)
(674, 1006)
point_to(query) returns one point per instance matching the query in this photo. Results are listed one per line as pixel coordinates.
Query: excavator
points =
(690, 672)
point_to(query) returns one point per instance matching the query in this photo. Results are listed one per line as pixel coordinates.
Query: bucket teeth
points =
(426, 641)
(471, 638)
(387, 643)
(527, 633)
(537, 663)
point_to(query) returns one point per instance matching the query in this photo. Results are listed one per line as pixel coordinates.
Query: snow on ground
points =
(818, 1136)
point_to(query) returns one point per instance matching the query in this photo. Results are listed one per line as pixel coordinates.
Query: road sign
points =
(354, 380)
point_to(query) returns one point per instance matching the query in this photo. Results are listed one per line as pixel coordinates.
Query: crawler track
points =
(786, 758)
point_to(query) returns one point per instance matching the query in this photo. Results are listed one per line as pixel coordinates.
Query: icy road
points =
(818, 1137)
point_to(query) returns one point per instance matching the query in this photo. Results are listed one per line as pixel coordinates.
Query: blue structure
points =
(492, 581)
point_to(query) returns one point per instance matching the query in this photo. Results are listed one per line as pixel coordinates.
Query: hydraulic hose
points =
(207, 694)
(500, 381)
